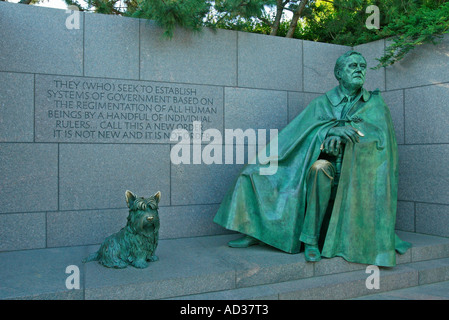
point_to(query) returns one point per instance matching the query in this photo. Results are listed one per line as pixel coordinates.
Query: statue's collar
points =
(335, 95)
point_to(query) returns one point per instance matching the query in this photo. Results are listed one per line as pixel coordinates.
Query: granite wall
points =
(86, 113)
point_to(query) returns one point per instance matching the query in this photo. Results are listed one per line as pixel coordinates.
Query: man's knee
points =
(323, 166)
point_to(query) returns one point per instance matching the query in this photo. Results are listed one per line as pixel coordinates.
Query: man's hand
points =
(332, 145)
(347, 133)
(337, 136)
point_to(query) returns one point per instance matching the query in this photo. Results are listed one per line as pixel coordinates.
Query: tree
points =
(247, 14)
(426, 25)
(408, 22)
(169, 14)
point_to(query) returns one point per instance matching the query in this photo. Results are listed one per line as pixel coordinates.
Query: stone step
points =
(191, 267)
(433, 291)
(338, 286)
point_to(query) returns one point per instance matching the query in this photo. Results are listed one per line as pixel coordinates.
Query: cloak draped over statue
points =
(271, 208)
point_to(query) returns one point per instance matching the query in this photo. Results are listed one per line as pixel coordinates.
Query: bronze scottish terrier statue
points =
(136, 243)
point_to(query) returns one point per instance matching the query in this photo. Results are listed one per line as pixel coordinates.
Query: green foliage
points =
(243, 8)
(426, 25)
(241, 15)
(99, 6)
(169, 14)
(408, 23)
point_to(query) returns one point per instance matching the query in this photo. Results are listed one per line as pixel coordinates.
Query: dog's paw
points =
(153, 258)
(141, 264)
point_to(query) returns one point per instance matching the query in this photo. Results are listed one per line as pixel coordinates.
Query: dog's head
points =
(143, 215)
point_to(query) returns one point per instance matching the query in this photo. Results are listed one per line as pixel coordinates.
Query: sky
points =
(59, 4)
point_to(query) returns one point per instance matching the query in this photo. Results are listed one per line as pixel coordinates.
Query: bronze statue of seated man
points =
(335, 189)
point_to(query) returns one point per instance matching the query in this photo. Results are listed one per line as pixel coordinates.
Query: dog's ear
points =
(157, 196)
(130, 198)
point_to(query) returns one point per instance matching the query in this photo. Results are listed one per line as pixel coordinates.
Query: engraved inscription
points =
(78, 109)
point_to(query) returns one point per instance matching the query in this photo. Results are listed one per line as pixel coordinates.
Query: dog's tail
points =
(91, 257)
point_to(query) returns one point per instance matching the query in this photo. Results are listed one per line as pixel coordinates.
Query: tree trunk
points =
(296, 16)
(277, 20)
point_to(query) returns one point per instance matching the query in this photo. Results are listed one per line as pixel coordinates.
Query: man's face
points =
(352, 74)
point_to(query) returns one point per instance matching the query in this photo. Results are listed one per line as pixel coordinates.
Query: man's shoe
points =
(243, 242)
(312, 253)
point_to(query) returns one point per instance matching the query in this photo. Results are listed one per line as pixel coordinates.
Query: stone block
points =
(206, 57)
(41, 274)
(20, 231)
(268, 62)
(37, 40)
(201, 183)
(319, 62)
(87, 227)
(424, 65)
(28, 177)
(426, 114)
(258, 265)
(422, 173)
(263, 292)
(345, 285)
(84, 227)
(395, 102)
(432, 271)
(96, 176)
(405, 257)
(255, 109)
(184, 268)
(188, 221)
(298, 101)
(375, 79)
(405, 216)
(425, 247)
(432, 219)
(16, 107)
(111, 46)
(336, 265)
(91, 110)
(435, 291)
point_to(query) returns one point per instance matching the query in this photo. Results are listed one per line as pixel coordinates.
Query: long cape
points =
(271, 208)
